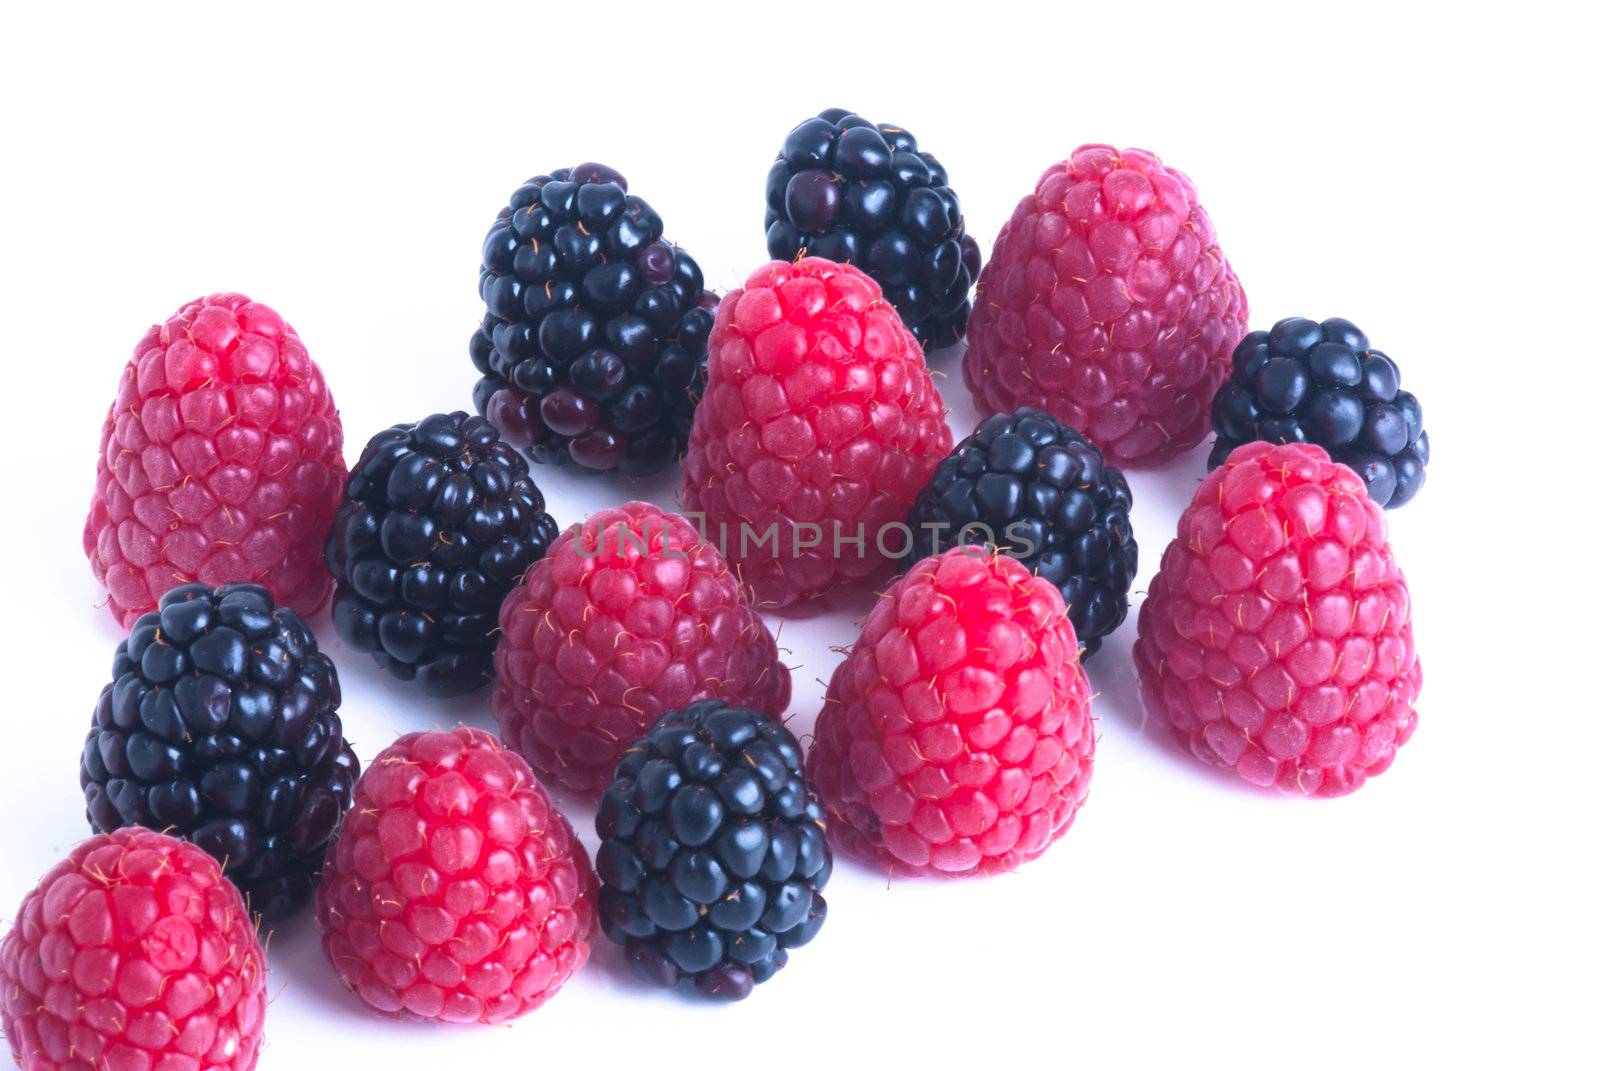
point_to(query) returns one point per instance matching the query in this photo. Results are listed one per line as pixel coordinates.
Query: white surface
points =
(1433, 181)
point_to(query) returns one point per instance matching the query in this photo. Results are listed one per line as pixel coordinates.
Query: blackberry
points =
(221, 726)
(713, 857)
(1032, 486)
(851, 192)
(1305, 382)
(593, 350)
(439, 521)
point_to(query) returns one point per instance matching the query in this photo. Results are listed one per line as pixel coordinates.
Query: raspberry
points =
(1108, 304)
(956, 737)
(1276, 639)
(859, 193)
(819, 426)
(133, 952)
(713, 855)
(1038, 489)
(630, 615)
(1323, 383)
(593, 349)
(456, 891)
(221, 725)
(439, 521)
(221, 460)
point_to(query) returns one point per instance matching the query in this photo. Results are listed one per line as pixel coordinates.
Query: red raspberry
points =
(629, 615)
(133, 954)
(819, 426)
(1107, 303)
(956, 738)
(1276, 638)
(221, 460)
(456, 891)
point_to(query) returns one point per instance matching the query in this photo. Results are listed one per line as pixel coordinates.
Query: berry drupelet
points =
(1305, 382)
(221, 726)
(713, 856)
(439, 521)
(855, 193)
(1032, 486)
(593, 349)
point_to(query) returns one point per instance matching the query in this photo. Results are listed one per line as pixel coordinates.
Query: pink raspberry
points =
(956, 738)
(1276, 639)
(456, 891)
(133, 954)
(628, 615)
(221, 460)
(1107, 303)
(819, 426)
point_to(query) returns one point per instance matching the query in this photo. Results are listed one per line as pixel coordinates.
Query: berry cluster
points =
(630, 616)
(220, 460)
(713, 857)
(628, 655)
(955, 738)
(851, 192)
(457, 891)
(1305, 382)
(221, 725)
(1277, 636)
(439, 521)
(1108, 303)
(133, 952)
(1035, 488)
(595, 337)
(819, 426)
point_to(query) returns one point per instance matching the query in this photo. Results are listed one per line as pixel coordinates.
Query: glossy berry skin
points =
(439, 520)
(1108, 303)
(593, 348)
(819, 426)
(713, 852)
(630, 615)
(1031, 485)
(221, 725)
(221, 460)
(1305, 382)
(955, 738)
(133, 952)
(1276, 639)
(857, 193)
(456, 891)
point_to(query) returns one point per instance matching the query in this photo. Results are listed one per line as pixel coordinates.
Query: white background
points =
(1431, 177)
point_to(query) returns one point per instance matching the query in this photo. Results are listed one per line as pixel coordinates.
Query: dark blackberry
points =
(1032, 486)
(221, 726)
(593, 350)
(713, 857)
(1305, 382)
(439, 521)
(848, 191)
